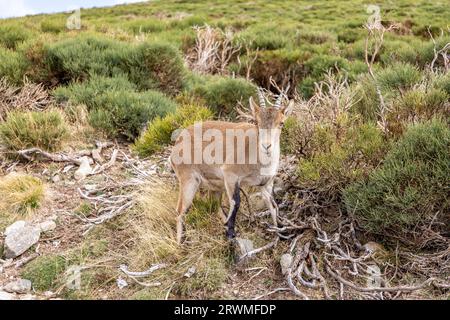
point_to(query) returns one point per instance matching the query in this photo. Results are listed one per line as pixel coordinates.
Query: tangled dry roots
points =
(326, 254)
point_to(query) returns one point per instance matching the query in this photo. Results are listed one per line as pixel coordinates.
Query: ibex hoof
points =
(231, 234)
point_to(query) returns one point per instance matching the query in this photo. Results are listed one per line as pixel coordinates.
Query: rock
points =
(18, 286)
(15, 226)
(20, 240)
(285, 262)
(56, 179)
(84, 170)
(28, 297)
(47, 226)
(6, 296)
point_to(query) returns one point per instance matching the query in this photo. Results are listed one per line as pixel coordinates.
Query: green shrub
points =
(147, 25)
(338, 158)
(46, 130)
(319, 65)
(12, 35)
(156, 66)
(149, 65)
(265, 37)
(159, 131)
(277, 65)
(77, 58)
(114, 105)
(421, 103)
(223, 94)
(12, 66)
(53, 25)
(410, 190)
(399, 76)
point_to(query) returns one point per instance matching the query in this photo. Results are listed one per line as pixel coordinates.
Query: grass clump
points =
(21, 195)
(114, 105)
(409, 192)
(159, 131)
(46, 130)
(45, 271)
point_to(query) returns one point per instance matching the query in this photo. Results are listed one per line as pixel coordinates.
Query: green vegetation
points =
(410, 190)
(127, 75)
(22, 130)
(160, 130)
(115, 106)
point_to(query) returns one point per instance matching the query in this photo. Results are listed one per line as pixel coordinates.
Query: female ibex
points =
(224, 156)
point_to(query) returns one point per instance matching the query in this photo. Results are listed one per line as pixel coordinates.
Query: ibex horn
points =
(262, 101)
(281, 96)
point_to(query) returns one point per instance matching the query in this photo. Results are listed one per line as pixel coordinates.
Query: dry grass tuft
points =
(205, 247)
(21, 195)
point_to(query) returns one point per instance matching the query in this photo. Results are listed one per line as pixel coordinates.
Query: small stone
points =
(56, 179)
(47, 226)
(18, 286)
(15, 226)
(20, 240)
(6, 296)
(285, 262)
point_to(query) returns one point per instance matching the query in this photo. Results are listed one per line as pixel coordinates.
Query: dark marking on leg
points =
(231, 221)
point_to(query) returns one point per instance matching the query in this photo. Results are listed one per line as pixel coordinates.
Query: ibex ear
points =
(254, 108)
(287, 109)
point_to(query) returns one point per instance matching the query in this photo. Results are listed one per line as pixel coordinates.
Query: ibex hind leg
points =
(188, 188)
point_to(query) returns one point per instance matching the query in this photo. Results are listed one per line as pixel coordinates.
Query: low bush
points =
(114, 106)
(12, 35)
(160, 130)
(409, 192)
(338, 158)
(46, 130)
(156, 66)
(149, 65)
(223, 94)
(12, 66)
(399, 76)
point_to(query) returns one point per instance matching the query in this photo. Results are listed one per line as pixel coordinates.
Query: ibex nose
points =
(267, 146)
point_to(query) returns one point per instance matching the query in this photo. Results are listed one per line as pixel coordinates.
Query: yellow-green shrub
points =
(159, 131)
(21, 130)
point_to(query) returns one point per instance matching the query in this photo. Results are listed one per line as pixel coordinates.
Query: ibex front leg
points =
(232, 188)
(188, 188)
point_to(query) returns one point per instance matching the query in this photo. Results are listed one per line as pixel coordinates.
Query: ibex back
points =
(224, 156)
